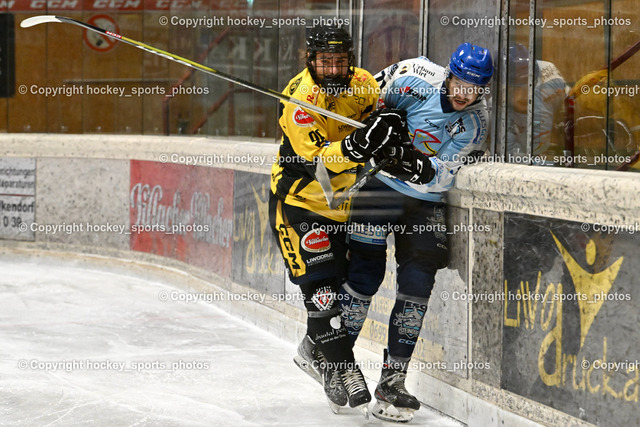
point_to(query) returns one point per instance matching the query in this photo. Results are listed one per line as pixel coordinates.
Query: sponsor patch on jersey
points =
(422, 71)
(548, 72)
(323, 298)
(368, 233)
(316, 241)
(361, 77)
(412, 92)
(319, 259)
(302, 118)
(294, 86)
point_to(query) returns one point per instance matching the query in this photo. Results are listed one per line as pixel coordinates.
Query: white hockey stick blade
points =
(36, 20)
(325, 183)
(339, 198)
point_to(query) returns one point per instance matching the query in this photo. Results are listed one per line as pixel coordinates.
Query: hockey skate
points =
(311, 360)
(356, 389)
(394, 403)
(334, 390)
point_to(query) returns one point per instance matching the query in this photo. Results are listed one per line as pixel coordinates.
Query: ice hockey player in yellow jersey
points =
(312, 237)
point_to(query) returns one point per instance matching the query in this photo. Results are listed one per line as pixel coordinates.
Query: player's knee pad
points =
(366, 270)
(416, 274)
(353, 310)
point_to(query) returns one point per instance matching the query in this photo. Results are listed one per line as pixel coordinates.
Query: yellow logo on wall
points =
(573, 370)
(589, 284)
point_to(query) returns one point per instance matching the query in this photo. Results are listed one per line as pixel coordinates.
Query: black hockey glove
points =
(395, 118)
(411, 165)
(362, 144)
(394, 149)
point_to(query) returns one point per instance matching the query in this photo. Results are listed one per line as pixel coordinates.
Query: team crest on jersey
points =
(302, 118)
(410, 320)
(316, 241)
(323, 298)
(426, 142)
(455, 127)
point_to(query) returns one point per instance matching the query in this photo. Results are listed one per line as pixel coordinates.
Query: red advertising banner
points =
(183, 212)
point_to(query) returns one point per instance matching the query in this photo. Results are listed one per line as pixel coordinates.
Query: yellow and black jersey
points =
(308, 135)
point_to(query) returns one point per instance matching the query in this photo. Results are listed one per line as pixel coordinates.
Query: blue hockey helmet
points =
(472, 64)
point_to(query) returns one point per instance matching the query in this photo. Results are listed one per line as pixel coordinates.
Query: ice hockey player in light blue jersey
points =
(446, 123)
(447, 120)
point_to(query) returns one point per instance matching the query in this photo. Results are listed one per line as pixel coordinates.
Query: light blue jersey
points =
(549, 94)
(448, 136)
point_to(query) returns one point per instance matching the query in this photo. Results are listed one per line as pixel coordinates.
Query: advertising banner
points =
(571, 309)
(183, 212)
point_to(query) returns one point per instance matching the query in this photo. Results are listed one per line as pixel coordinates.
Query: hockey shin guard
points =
(324, 325)
(405, 323)
(353, 310)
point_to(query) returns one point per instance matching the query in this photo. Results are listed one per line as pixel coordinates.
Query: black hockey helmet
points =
(330, 39)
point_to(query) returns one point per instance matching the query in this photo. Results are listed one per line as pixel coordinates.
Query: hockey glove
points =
(395, 118)
(412, 166)
(362, 144)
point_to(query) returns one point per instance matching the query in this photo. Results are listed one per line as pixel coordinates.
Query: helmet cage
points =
(330, 40)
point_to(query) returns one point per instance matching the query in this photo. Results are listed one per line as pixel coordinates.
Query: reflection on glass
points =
(585, 43)
(548, 113)
(390, 33)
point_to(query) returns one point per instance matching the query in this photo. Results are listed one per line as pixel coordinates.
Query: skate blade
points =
(387, 412)
(364, 408)
(302, 363)
(334, 407)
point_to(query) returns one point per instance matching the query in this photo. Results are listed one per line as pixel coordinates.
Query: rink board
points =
(570, 335)
(183, 212)
(108, 182)
(256, 261)
(17, 198)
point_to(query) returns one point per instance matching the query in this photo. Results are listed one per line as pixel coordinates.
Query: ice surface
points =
(183, 364)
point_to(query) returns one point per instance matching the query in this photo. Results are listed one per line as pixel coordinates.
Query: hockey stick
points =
(632, 161)
(336, 200)
(42, 19)
(321, 172)
(589, 80)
